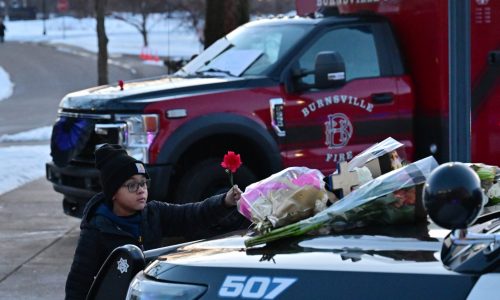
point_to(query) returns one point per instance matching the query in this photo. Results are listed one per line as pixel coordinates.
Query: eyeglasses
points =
(134, 186)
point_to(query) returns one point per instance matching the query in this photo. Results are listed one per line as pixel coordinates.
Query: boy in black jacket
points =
(121, 215)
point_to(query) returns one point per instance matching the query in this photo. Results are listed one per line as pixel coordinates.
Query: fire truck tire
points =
(208, 178)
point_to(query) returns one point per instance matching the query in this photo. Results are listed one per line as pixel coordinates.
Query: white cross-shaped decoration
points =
(344, 180)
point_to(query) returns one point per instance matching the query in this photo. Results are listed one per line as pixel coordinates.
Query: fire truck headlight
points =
(139, 133)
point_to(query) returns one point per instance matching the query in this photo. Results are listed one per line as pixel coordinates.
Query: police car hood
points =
(321, 266)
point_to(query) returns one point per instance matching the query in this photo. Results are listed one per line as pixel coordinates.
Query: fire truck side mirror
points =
(494, 58)
(292, 77)
(329, 70)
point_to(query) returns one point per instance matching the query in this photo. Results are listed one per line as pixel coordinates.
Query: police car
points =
(417, 261)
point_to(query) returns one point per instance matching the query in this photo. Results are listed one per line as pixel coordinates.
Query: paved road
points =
(43, 75)
(37, 241)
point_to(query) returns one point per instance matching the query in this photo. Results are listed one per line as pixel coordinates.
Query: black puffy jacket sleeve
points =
(184, 219)
(86, 263)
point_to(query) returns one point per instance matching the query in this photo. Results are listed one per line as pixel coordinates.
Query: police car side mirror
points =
(329, 70)
(453, 196)
(118, 270)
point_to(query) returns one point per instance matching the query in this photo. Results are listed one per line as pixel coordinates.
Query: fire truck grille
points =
(82, 145)
(86, 155)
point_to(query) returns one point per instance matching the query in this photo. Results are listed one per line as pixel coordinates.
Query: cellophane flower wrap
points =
(377, 150)
(283, 198)
(387, 199)
(490, 181)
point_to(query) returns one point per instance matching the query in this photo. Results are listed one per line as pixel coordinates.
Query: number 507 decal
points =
(254, 287)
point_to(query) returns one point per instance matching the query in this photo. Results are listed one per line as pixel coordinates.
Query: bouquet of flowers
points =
(387, 146)
(376, 160)
(283, 198)
(490, 181)
(389, 198)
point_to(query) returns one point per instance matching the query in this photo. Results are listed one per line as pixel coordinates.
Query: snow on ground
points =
(22, 164)
(6, 86)
(38, 134)
(168, 38)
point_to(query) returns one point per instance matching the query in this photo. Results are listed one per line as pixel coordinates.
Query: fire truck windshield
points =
(247, 51)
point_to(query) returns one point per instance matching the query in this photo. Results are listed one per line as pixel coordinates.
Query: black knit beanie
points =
(116, 167)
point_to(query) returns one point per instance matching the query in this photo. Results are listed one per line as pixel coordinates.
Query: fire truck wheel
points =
(208, 178)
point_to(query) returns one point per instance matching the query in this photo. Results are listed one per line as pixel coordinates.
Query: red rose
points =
(231, 162)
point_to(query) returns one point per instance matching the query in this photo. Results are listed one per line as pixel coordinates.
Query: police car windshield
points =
(248, 50)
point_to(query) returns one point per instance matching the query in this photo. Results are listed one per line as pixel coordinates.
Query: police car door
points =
(329, 125)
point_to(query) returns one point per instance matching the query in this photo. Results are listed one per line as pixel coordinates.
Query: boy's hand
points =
(232, 196)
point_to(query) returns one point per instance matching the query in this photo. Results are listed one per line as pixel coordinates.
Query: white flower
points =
(364, 175)
(494, 191)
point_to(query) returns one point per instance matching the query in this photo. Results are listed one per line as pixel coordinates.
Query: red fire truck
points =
(309, 90)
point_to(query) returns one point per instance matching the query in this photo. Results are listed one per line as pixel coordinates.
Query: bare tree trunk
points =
(214, 21)
(231, 16)
(243, 8)
(234, 13)
(144, 28)
(144, 34)
(102, 42)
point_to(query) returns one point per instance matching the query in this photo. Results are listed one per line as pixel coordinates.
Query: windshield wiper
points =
(215, 70)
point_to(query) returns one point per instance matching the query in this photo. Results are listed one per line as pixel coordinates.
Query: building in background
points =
(18, 10)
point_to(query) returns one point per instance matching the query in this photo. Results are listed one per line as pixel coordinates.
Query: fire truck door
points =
(326, 126)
